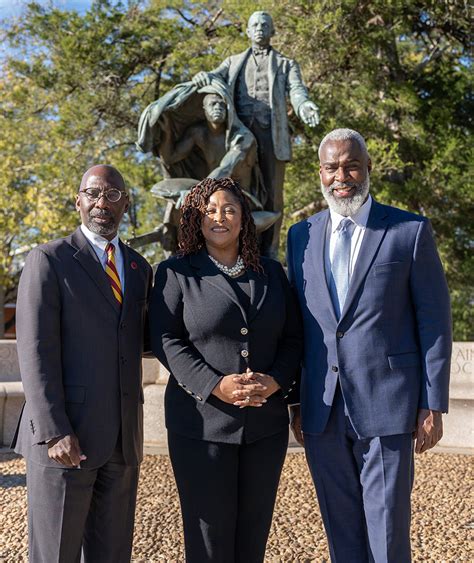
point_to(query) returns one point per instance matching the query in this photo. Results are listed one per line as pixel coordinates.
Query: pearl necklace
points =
(233, 272)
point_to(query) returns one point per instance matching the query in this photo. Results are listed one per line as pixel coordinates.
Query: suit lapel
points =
(128, 281)
(376, 227)
(273, 64)
(210, 274)
(258, 292)
(314, 265)
(237, 67)
(87, 258)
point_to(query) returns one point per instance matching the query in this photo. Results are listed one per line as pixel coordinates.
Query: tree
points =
(397, 71)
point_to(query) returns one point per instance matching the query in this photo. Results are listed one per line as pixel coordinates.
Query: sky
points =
(12, 8)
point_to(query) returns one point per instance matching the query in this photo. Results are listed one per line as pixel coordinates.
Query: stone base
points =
(154, 416)
(12, 398)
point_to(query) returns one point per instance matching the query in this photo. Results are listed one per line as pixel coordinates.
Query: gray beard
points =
(350, 205)
(102, 230)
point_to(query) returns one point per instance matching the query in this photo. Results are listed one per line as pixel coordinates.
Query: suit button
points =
(335, 368)
(123, 360)
(339, 334)
(122, 325)
(244, 331)
(244, 353)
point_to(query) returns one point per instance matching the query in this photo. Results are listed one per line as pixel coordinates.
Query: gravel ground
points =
(442, 512)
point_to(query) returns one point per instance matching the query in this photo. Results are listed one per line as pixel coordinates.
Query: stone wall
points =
(459, 424)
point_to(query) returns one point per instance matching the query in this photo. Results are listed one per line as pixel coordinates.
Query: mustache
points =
(103, 214)
(338, 185)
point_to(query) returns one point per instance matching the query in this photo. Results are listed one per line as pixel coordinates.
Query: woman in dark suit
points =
(224, 322)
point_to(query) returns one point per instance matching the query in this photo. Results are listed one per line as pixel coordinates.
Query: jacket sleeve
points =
(38, 324)
(169, 338)
(287, 365)
(433, 313)
(296, 89)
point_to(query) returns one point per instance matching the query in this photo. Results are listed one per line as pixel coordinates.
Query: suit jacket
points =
(80, 352)
(391, 347)
(284, 78)
(201, 332)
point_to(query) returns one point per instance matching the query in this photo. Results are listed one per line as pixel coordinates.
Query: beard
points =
(346, 206)
(102, 229)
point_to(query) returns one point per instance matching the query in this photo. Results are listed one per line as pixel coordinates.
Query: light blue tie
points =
(339, 283)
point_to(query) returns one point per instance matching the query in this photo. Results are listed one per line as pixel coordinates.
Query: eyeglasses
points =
(94, 194)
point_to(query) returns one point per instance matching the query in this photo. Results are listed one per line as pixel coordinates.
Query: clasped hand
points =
(66, 450)
(249, 389)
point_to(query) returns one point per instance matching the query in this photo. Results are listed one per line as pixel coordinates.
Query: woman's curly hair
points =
(191, 239)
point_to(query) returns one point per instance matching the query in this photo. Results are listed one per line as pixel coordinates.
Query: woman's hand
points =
(250, 379)
(240, 383)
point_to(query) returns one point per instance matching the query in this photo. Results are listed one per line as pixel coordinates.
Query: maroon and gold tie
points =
(111, 271)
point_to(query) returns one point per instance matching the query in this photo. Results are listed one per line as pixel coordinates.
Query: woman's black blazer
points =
(201, 332)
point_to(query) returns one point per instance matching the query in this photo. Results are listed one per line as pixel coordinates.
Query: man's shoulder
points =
(398, 215)
(304, 224)
(52, 247)
(282, 57)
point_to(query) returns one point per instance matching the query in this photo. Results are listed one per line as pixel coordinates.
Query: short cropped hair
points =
(344, 134)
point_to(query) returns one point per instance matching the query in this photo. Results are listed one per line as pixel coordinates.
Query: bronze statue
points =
(196, 133)
(259, 80)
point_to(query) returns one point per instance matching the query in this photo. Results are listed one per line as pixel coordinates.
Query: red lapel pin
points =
(134, 265)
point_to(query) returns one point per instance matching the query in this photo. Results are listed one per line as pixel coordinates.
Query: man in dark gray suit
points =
(260, 79)
(81, 313)
(377, 330)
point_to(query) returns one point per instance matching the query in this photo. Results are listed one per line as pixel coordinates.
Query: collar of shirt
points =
(260, 51)
(99, 243)
(360, 217)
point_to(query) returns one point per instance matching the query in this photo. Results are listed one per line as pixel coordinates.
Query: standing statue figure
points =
(260, 79)
(196, 133)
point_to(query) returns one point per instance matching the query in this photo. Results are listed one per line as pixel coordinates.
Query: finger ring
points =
(247, 399)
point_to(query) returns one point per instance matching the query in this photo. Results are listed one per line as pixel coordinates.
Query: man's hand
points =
(309, 113)
(66, 450)
(429, 430)
(234, 382)
(249, 379)
(202, 79)
(295, 423)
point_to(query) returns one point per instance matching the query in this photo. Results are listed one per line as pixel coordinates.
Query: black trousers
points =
(227, 495)
(92, 509)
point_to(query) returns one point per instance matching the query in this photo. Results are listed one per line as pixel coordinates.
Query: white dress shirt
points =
(99, 243)
(360, 219)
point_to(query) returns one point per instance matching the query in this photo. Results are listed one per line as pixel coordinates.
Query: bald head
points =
(102, 200)
(104, 174)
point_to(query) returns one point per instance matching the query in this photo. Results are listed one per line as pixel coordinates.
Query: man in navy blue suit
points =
(377, 354)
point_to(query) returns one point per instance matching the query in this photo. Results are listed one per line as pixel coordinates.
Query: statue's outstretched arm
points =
(305, 109)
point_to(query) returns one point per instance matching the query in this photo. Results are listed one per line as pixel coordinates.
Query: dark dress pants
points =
(227, 495)
(92, 509)
(363, 488)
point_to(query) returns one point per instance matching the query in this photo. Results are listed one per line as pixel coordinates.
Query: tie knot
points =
(110, 248)
(346, 225)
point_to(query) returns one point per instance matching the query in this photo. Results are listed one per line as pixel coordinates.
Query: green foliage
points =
(73, 87)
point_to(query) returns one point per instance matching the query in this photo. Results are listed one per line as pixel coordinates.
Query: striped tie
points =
(111, 271)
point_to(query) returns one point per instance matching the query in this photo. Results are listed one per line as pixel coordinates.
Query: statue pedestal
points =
(155, 377)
